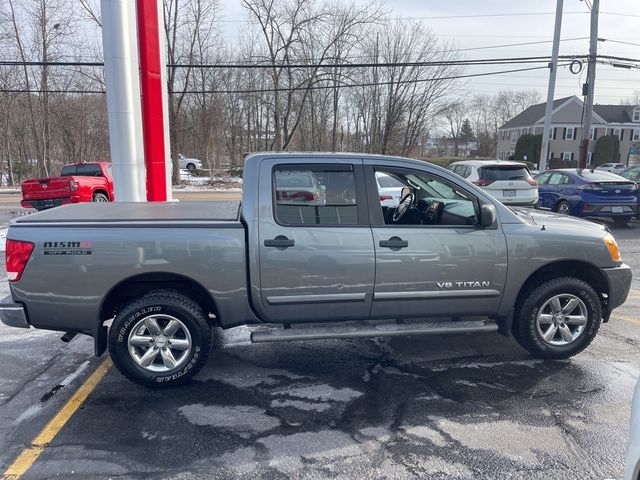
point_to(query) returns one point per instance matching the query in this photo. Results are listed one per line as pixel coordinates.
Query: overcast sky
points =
(619, 21)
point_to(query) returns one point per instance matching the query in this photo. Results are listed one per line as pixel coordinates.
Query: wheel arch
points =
(102, 191)
(137, 285)
(567, 268)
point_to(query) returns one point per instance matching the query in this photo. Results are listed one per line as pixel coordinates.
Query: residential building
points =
(566, 132)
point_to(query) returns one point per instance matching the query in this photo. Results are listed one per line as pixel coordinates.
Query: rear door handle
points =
(394, 243)
(280, 242)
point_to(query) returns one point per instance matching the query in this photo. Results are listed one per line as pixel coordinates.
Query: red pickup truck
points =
(79, 182)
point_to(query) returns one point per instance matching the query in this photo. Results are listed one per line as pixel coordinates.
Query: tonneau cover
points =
(213, 211)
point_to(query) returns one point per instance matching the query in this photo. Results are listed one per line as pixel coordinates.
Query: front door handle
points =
(280, 241)
(394, 243)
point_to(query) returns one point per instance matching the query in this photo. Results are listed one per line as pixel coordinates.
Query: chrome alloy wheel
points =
(562, 319)
(159, 343)
(564, 208)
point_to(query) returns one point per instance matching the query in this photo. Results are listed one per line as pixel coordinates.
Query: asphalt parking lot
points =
(456, 407)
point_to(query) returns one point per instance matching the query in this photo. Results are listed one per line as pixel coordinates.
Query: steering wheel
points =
(403, 207)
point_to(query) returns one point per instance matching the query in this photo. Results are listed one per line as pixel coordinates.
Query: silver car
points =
(189, 163)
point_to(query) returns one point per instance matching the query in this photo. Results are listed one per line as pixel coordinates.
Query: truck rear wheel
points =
(559, 318)
(100, 197)
(160, 339)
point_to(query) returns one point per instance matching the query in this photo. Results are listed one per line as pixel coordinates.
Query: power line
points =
(482, 61)
(618, 41)
(315, 87)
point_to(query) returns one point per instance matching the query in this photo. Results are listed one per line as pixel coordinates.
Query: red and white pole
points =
(151, 88)
(135, 70)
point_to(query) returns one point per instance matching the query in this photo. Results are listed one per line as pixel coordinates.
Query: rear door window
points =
(315, 196)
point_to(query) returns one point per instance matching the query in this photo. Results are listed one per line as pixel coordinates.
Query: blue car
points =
(588, 193)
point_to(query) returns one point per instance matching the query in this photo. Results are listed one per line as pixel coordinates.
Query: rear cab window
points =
(83, 170)
(315, 195)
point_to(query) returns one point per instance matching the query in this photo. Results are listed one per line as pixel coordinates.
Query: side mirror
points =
(488, 215)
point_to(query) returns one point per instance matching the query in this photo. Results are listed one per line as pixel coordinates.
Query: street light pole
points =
(553, 68)
(590, 85)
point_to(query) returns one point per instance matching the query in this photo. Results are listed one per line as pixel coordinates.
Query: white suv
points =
(189, 163)
(509, 182)
(612, 167)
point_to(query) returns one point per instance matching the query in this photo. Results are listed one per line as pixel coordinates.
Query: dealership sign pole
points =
(153, 114)
(136, 98)
(121, 69)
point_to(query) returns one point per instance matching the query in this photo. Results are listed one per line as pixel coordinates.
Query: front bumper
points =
(619, 279)
(13, 315)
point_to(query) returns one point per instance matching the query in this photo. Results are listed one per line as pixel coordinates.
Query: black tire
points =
(621, 221)
(191, 166)
(563, 207)
(525, 328)
(161, 302)
(100, 197)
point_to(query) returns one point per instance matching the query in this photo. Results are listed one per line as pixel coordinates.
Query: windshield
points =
(386, 181)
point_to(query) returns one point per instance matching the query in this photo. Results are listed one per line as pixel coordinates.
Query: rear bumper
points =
(14, 315)
(607, 210)
(619, 279)
(49, 202)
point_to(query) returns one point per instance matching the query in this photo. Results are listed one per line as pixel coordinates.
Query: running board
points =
(368, 330)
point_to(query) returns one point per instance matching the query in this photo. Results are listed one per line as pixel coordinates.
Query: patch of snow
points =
(301, 405)
(240, 418)
(286, 452)
(3, 238)
(321, 392)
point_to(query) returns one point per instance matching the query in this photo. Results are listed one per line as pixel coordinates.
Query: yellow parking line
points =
(617, 316)
(49, 432)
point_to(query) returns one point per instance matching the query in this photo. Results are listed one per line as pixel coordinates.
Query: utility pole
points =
(589, 86)
(553, 69)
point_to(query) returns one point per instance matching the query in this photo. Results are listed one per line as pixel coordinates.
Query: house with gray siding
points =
(566, 132)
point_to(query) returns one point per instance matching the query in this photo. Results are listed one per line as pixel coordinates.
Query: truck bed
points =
(140, 213)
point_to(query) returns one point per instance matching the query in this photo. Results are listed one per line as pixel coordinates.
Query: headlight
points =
(612, 246)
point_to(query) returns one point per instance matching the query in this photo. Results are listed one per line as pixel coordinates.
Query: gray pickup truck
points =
(311, 253)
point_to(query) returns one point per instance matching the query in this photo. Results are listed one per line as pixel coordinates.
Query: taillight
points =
(483, 182)
(17, 255)
(589, 186)
(385, 197)
(73, 185)
(532, 182)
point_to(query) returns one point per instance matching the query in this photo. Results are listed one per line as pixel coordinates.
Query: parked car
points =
(189, 163)
(389, 189)
(298, 186)
(78, 182)
(631, 173)
(150, 279)
(611, 167)
(509, 182)
(632, 464)
(588, 193)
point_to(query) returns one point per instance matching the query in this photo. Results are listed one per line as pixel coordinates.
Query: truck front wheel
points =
(559, 318)
(160, 339)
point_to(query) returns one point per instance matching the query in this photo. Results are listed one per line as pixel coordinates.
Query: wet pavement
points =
(461, 407)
